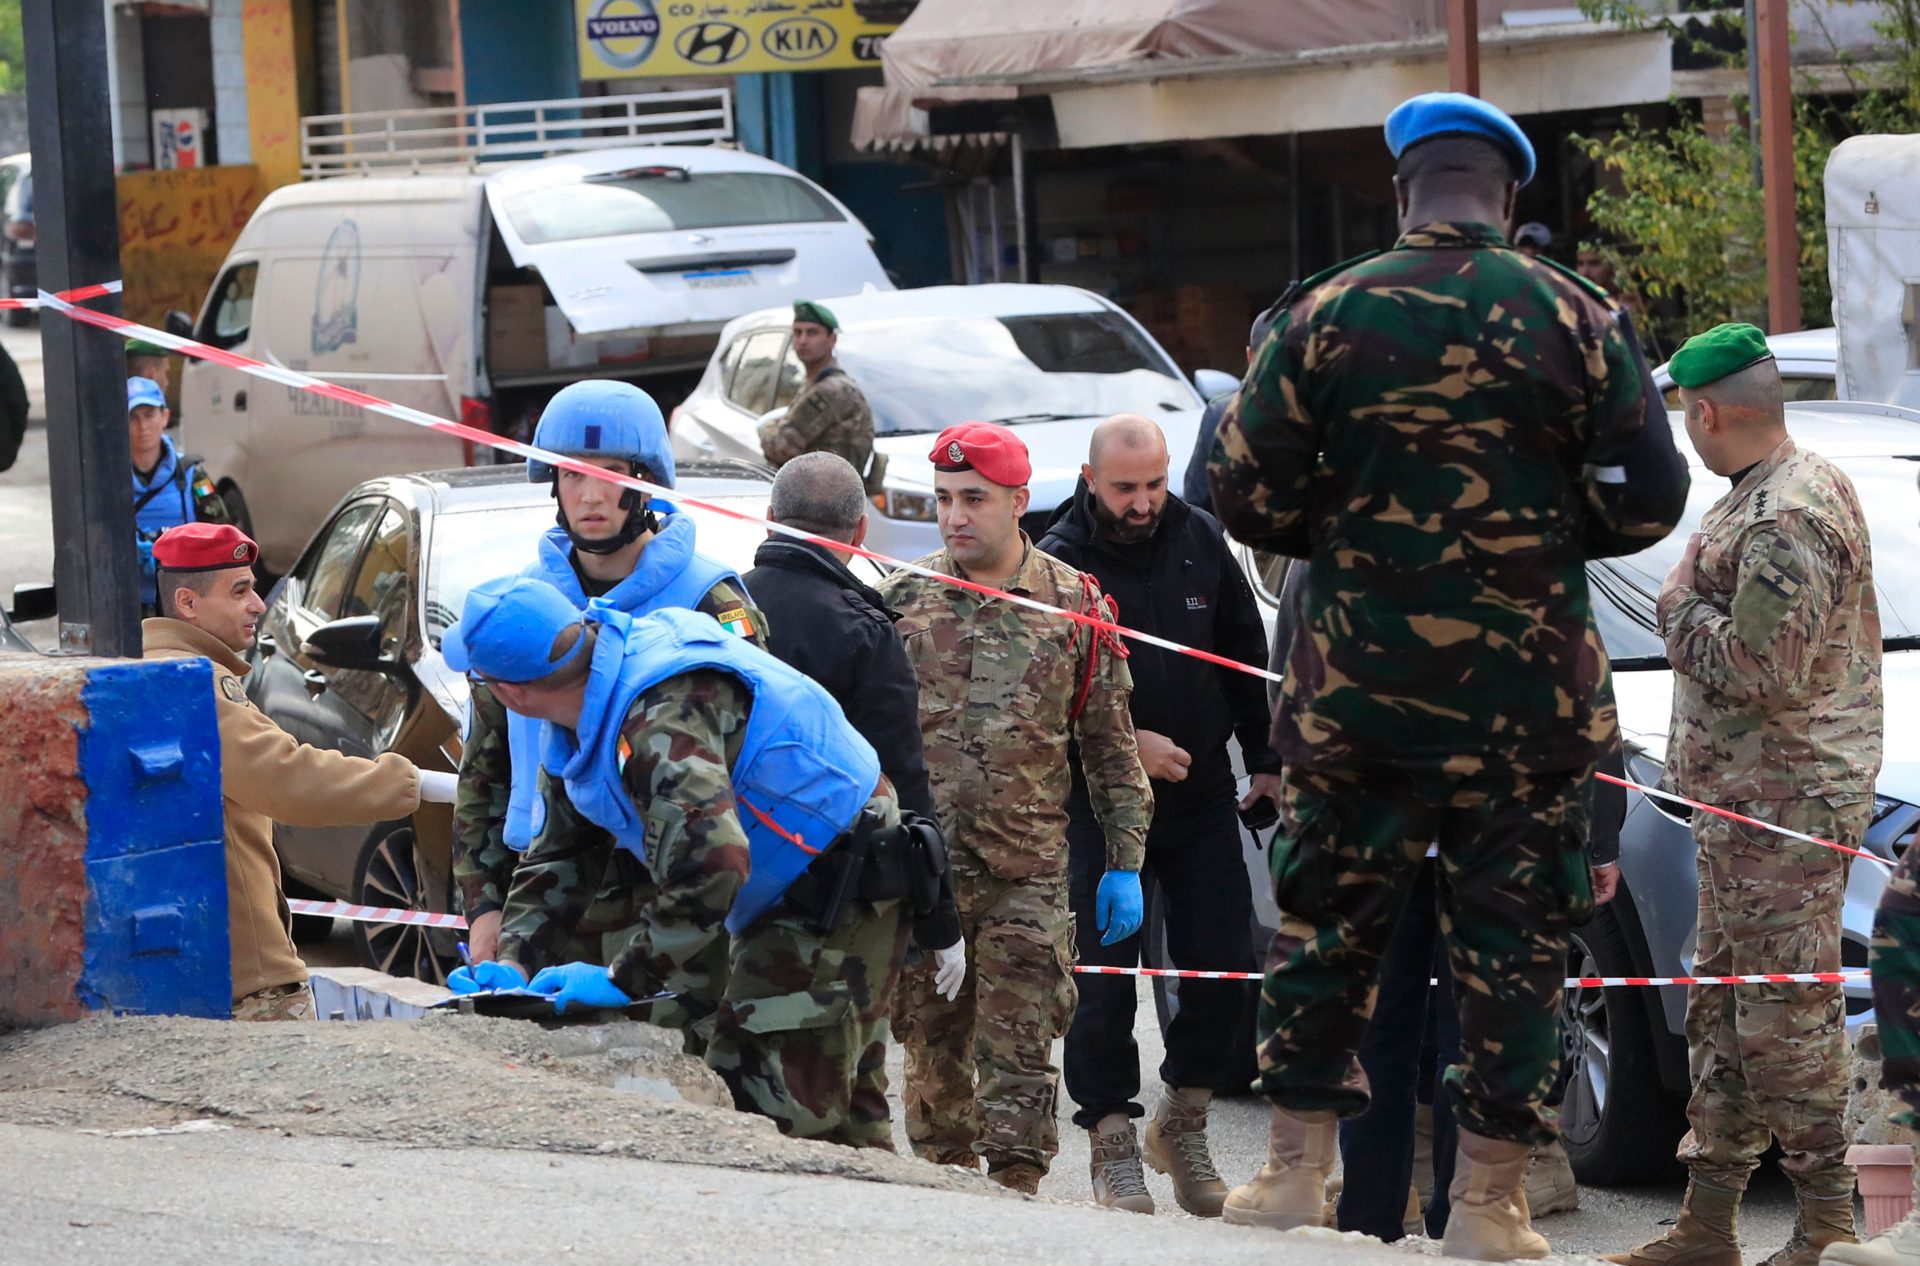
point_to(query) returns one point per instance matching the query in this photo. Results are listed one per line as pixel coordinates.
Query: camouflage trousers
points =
(277, 1002)
(980, 1077)
(1513, 881)
(801, 1032)
(1896, 985)
(1770, 1061)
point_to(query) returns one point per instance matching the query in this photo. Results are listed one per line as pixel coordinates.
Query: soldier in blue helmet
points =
(168, 489)
(771, 837)
(619, 546)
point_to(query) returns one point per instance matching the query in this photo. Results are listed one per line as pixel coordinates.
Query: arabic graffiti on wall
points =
(175, 230)
(624, 38)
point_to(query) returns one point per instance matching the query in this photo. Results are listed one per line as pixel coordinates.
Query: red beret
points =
(987, 447)
(204, 547)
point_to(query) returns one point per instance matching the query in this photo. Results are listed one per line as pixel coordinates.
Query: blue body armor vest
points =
(803, 774)
(161, 502)
(670, 573)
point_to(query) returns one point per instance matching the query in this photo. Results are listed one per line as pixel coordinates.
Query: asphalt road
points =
(1607, 1220)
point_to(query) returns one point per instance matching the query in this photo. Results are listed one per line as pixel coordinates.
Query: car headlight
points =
(911, 504)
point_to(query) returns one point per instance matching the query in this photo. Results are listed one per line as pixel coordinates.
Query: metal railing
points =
(384, 140)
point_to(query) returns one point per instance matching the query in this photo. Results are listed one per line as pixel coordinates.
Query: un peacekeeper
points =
(628, 551)
(829, 414)
(1002, 690)
(168, 489)
(1774, 635)
(758, 812)
(1894, 960)
(211, 610)
(1446, 431)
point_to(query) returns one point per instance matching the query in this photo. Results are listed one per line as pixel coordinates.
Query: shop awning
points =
(1135, 71)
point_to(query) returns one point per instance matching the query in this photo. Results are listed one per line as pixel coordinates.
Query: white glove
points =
(438, 788)
(949, 969)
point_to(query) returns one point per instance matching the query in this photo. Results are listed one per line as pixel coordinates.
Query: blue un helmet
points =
(605, 418)
(507, 630)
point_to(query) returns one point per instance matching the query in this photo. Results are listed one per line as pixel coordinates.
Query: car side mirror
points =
(177, 323)
(352, 644)
(1214, 382)
(33, 602)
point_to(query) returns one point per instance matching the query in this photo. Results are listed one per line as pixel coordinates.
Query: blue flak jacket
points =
(803, 774)
(165, 500)
(670, 573)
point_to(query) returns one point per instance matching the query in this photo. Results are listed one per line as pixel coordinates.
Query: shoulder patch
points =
(230, 687)
(737, 621)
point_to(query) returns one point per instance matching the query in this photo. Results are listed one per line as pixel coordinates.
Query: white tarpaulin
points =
(1873, 261)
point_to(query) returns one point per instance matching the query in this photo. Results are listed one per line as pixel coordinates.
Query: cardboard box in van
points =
(517, 329)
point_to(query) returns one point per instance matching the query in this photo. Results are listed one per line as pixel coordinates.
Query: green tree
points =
(13, 49)
(1685, 211)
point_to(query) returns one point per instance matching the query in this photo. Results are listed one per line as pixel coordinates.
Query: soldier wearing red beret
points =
(1002, 690)
(209, 608)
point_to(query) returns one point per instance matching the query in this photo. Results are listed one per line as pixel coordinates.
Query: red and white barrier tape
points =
(64, 303)
(423, 918)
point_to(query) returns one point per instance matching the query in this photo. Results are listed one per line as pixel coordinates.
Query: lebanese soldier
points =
(829, 414)
(1002, 690)
(149, 360)
(1774, 635)
(212, 611)
(630, 552)
(1446, 432)
(758, 812)
(168, 489)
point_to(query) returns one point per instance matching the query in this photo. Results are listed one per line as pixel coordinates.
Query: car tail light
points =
(477, 414)
(20, 231)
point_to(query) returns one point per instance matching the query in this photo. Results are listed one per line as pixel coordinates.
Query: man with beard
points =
(1167, 566)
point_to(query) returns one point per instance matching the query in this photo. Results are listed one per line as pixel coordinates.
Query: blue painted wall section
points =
(156, 915)
(518, 50)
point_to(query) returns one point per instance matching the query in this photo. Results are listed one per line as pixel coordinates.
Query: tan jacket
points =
(267, 776)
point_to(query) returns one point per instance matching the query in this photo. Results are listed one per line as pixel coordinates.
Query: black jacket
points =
(1182, 583)
(823, 621)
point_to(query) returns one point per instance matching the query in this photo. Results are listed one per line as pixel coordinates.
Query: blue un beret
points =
(1432, 115)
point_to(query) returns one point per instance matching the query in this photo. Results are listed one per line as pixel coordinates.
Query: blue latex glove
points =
(148, 567)
(488, 975)
(579, 985)
(1118, 907)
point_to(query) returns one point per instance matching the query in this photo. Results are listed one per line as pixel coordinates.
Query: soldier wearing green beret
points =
(830, 414)
(149, 360)
(1772, 629)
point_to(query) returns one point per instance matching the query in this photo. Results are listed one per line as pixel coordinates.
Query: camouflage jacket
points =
(1776, 644)
(1446, 431)
(684, 734)
(997, 685)
(482, 862)
(829, 415)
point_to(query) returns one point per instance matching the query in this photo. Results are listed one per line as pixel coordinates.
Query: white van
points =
(477, 294)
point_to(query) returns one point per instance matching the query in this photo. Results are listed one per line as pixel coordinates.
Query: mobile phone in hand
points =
(1260, 816)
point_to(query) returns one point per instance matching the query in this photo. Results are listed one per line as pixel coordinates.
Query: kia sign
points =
(623, 39)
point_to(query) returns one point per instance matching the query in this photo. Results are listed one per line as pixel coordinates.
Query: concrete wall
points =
(112, 850)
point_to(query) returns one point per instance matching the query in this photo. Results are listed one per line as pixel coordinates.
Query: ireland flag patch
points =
(737, 622)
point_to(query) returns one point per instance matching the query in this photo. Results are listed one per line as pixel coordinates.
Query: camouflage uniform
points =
(1446, 431)
(279, 1002)
(1777, 715)
(1896, 986)
(794, 1022)
(483, 864)
(997, 685)
(829, 415)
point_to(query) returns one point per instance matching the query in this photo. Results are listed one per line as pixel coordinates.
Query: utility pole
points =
(1776, 168)
(1463, 46)
(96, 574)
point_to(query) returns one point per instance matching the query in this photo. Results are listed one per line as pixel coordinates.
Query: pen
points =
(466, 955)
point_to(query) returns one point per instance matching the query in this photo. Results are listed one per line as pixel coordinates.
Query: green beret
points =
(1725, 349)
(140, 347)
(818, 313)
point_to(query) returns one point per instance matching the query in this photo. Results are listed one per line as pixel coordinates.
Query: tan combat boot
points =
(1177, 1147)
(1707, 1233)
(1898, 1245)
(1489, 1221)
(1291, 1188)
(1817, 1223)
(1550, 1184)
(1115, 1168)
(1018, 1176)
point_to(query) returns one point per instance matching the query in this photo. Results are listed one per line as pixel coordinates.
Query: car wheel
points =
(388, 875)
(1619, 1124)
(1166, 992)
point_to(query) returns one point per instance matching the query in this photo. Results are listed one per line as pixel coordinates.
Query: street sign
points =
(620, 39)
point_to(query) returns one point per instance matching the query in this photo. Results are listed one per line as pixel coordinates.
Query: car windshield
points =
(662, 199)
(1626, 589)
(470, 546)
(923, 374)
